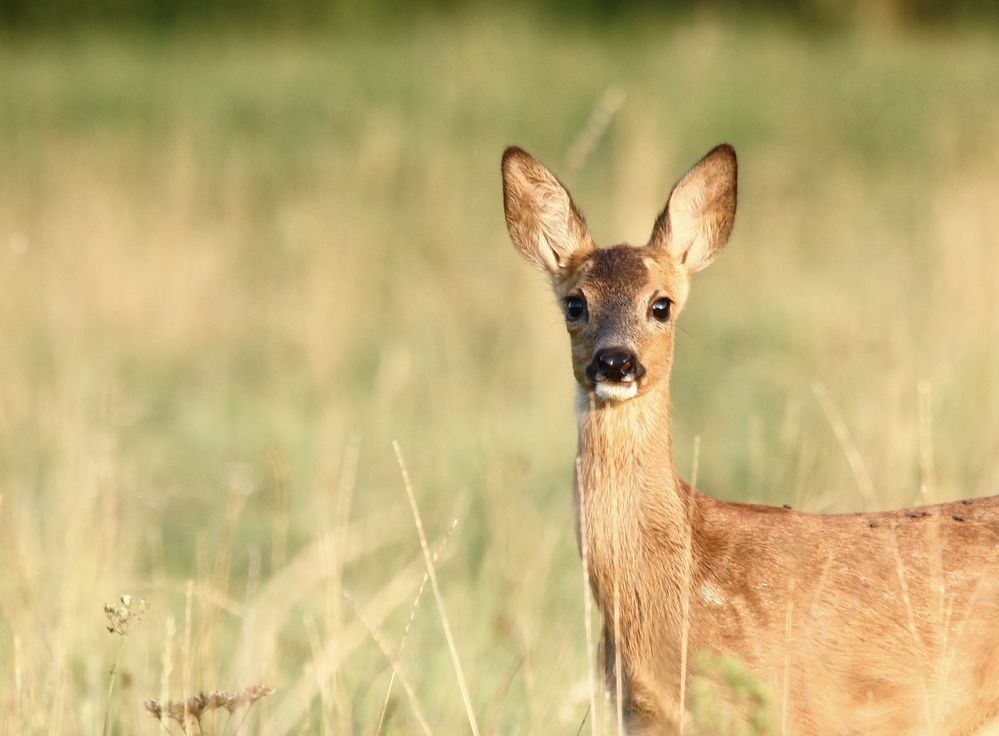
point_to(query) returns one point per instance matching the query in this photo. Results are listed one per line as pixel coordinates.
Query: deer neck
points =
(632, 514)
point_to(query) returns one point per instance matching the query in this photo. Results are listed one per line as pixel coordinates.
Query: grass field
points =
(235, 268)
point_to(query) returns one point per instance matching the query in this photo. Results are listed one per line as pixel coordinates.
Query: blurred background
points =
(245, 246)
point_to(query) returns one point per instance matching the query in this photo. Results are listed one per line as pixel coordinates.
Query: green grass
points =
(228, 263)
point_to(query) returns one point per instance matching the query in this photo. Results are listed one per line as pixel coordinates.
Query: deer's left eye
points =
(660, 309)
(575, 308)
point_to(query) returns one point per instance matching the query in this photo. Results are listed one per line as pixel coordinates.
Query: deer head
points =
(620, 303)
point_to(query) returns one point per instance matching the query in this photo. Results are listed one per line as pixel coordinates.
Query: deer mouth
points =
(616, 390)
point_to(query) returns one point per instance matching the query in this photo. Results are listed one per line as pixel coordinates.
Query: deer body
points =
(856, 623)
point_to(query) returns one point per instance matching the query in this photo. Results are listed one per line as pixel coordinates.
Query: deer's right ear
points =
(543, 222)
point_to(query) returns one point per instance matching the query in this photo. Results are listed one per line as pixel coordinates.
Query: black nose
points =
(615, 364)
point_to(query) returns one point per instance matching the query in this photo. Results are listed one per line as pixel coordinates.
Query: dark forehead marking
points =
(619, 266)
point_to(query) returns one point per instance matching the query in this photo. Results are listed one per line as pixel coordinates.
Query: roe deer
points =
(883, 623)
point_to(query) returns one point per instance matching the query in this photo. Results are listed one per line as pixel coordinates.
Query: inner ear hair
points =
(700, 212)
(541, 217)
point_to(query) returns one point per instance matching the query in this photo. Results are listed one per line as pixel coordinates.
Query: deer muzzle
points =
(614, 373)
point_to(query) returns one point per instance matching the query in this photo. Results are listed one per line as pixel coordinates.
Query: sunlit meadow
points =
(235, 267)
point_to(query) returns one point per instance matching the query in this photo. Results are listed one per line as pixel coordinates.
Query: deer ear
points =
(700, 211)
(543, 222)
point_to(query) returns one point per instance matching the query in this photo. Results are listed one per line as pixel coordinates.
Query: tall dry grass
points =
(234, 269)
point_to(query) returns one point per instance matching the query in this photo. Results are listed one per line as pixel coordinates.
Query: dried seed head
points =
(216, 699)
(196, 705)
(253, 693)
(232, 701)
(121, 614)
(175, 709)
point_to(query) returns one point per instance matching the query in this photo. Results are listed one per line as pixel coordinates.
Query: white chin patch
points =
(616, 391)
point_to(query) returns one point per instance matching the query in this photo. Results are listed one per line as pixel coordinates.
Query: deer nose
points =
(615, 364)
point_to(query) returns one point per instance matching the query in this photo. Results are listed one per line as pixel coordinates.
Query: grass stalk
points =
(849, 447)
(788, 620)
(106, 728)
(409, 626)
(618, 675)
(186, 652)
(927, 462)
(312, 630)
(685, 599)
(18, 676)
(407, 686)
(596, 126)
(441, 610)
(584, 552)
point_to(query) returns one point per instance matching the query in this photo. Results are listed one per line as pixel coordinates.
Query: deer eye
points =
(660, 309)
(575, 308)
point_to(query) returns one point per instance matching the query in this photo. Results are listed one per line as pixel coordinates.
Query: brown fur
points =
(859, 623)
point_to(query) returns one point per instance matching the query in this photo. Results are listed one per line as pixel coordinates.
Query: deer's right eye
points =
(575, 308)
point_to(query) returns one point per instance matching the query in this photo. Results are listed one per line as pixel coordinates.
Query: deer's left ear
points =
(700, 212)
